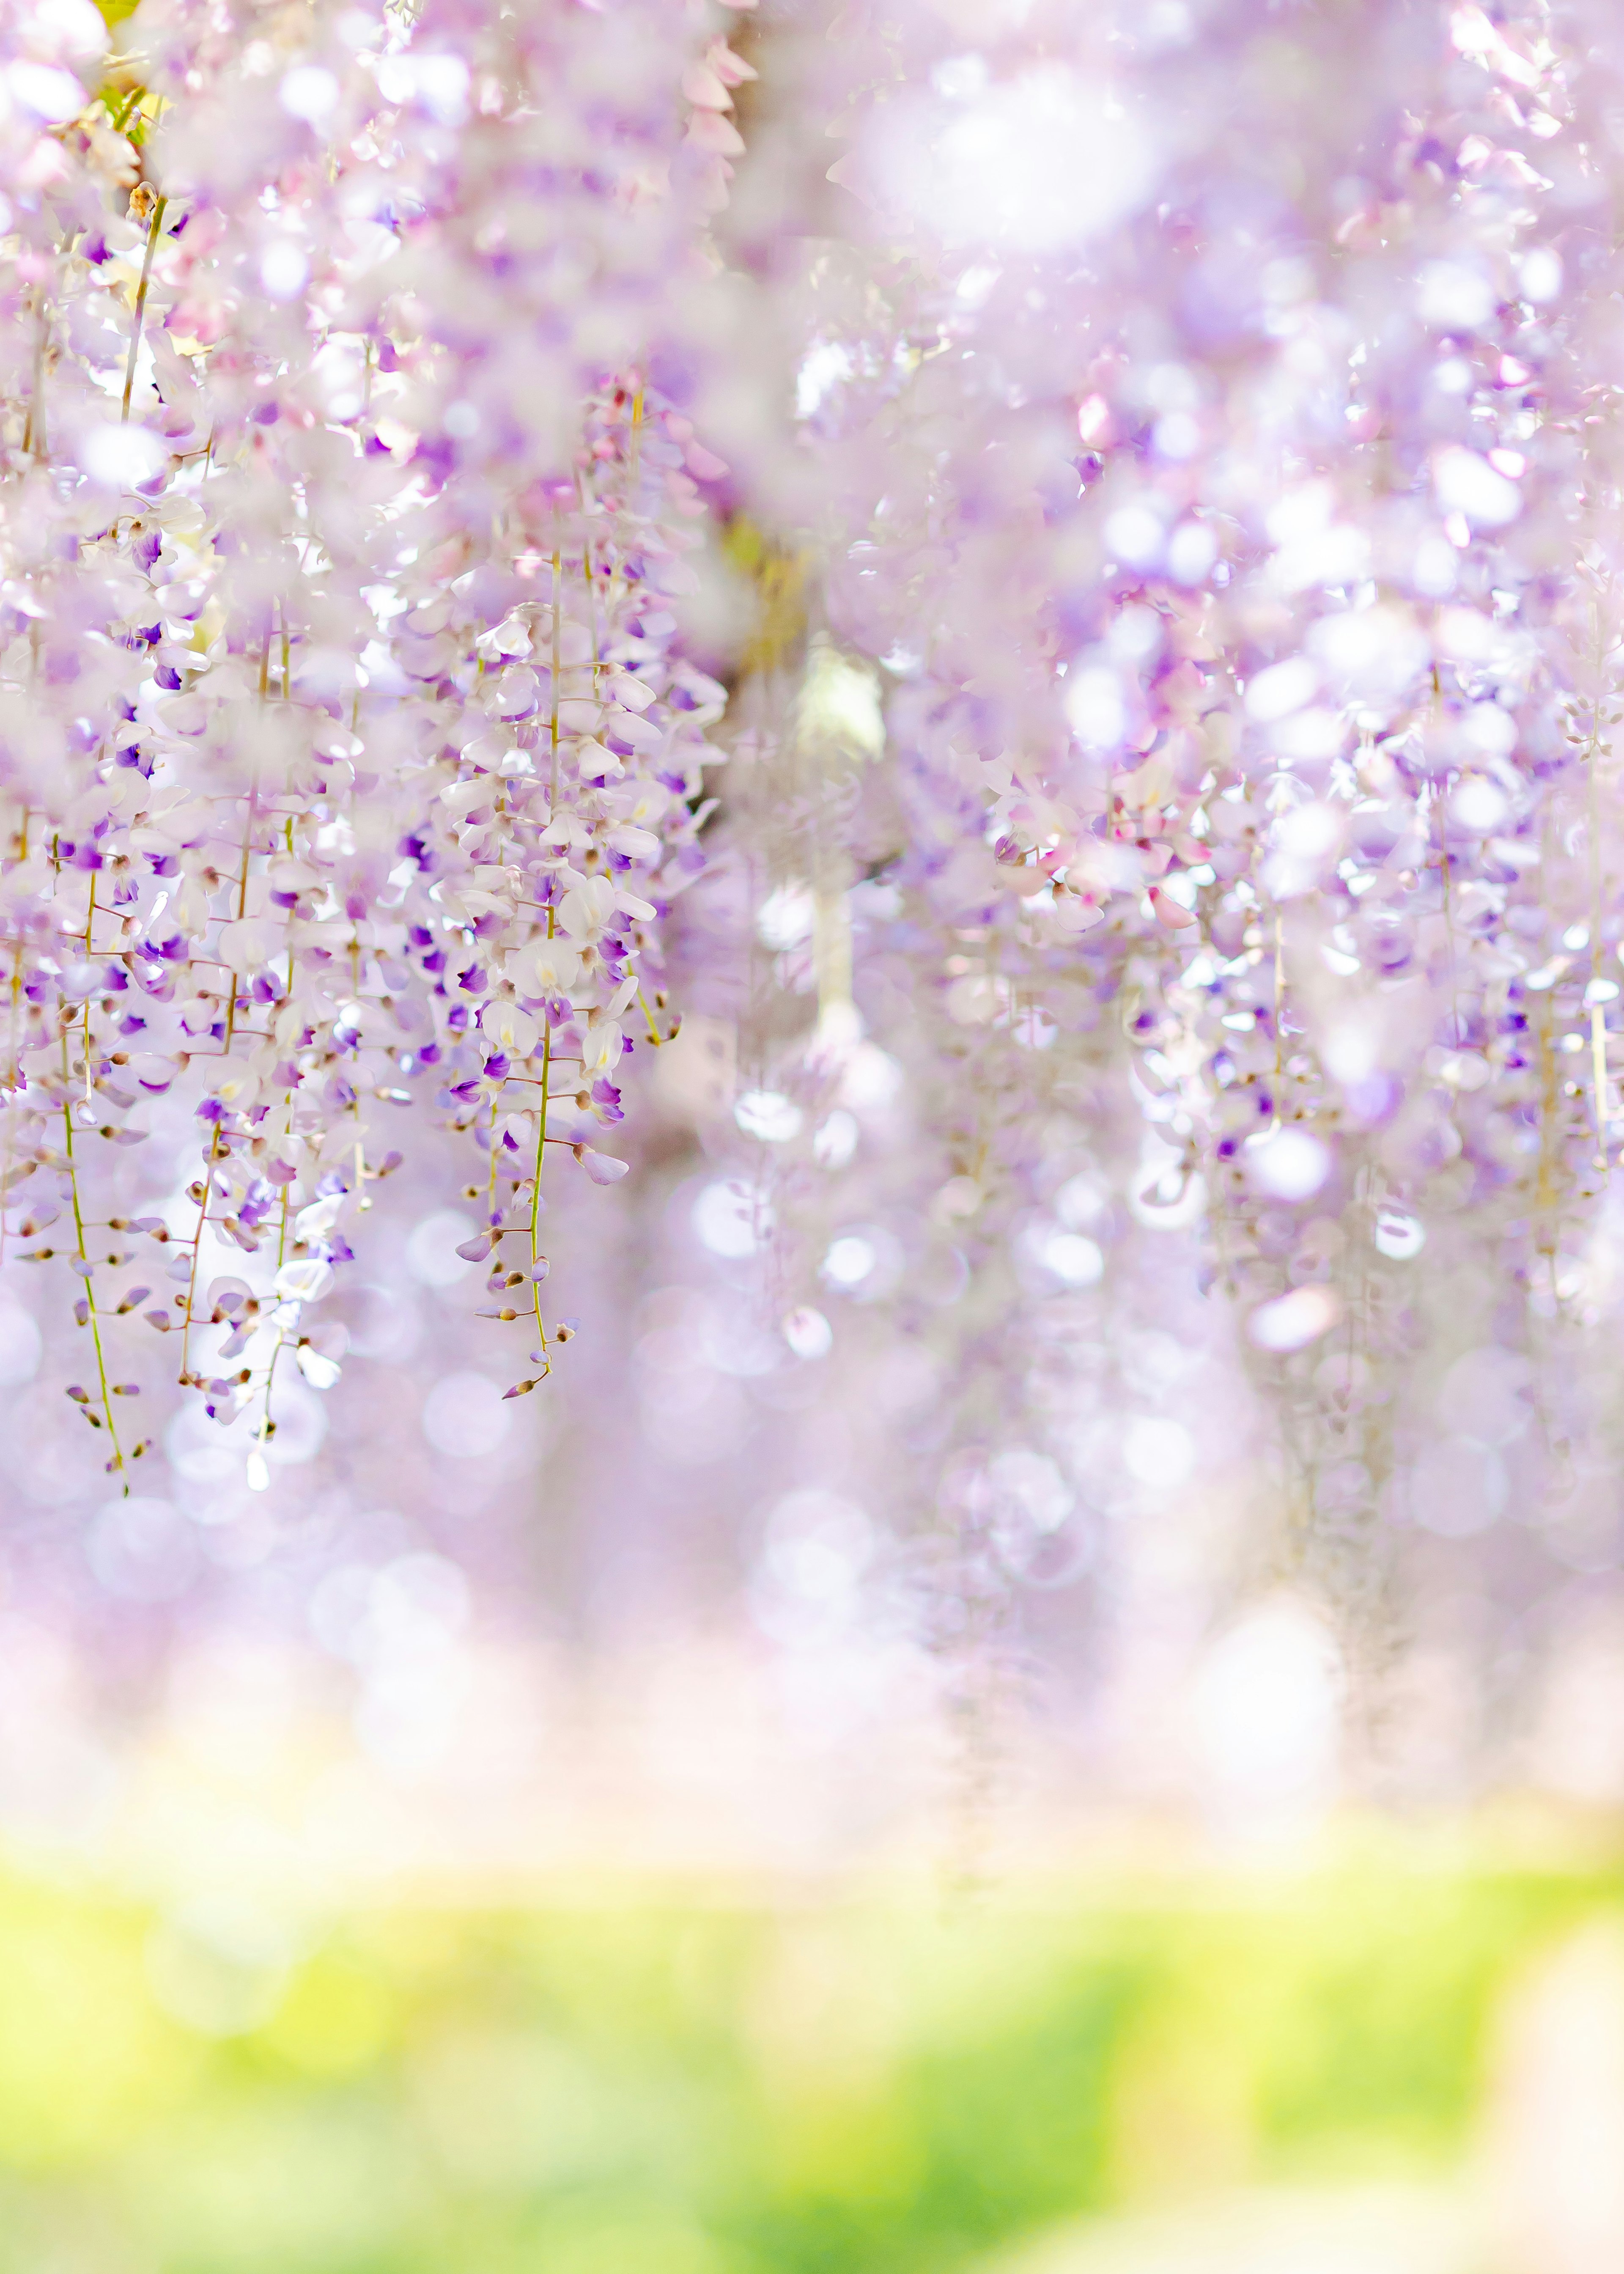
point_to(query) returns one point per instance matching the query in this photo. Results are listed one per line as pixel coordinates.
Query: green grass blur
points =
(622, 2080)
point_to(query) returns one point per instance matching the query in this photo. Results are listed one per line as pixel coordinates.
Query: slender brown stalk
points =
(141, 304)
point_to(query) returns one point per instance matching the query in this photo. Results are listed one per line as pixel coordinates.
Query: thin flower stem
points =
(541, 1141)
(248, 825)
(10, 1058)
(546, 1046)
(197, 1249)
(141, 304)
(117, 1462)
(34, 426)
(266, 1428)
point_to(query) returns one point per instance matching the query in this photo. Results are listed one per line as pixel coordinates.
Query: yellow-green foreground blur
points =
(624, 2078)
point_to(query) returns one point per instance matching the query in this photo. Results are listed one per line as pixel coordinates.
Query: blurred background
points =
(1390, 2054)
(591, 1845)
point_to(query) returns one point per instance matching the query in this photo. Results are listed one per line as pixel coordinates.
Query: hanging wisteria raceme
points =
(348, 758)
(1208, 419)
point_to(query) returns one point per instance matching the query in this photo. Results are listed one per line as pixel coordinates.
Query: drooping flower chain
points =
(330, 777)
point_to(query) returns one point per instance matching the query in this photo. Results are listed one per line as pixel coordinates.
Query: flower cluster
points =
(1223, 484)
(347, 754)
